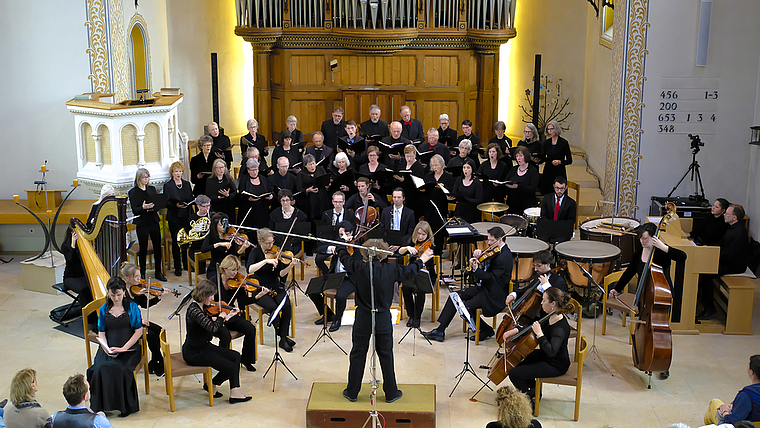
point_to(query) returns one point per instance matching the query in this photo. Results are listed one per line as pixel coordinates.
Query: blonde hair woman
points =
(141, 199)
(513, 410)
(23, 410)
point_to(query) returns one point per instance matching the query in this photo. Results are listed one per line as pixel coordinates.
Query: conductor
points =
(385, 276)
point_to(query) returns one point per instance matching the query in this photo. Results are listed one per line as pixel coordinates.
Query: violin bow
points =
(219, 287)
(234, 235)
(284, 241)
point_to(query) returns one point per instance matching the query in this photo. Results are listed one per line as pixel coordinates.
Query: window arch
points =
(139, 55)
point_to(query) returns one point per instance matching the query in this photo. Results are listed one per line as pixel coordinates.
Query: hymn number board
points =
(687, 106)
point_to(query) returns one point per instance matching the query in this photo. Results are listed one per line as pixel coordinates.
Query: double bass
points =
(652, 338)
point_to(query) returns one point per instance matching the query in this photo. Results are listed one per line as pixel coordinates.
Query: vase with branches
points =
(552, 105)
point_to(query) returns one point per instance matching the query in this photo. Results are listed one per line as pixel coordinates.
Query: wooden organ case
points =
(435, 56)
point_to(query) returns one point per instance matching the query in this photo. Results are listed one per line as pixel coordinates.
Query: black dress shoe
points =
(285, 345)
(290, 341)
(409, 323)
(160, 276)
(217, 394)
(249, 367)
(334, 326)
(396, 398)
(438, 336)
(234, 400)
(177, 272)
(348, 397)
(320, 321)
(664, 375)
(416, 323)
(484, 335)
(707, 313)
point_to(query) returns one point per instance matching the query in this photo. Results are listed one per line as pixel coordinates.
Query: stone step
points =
(578, 174)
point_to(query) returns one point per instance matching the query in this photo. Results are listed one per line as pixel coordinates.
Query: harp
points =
(102, 242)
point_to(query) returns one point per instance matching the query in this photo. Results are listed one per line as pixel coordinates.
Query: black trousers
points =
(346, 288)
(415, 299)
(224, 360)
(179, 259)
(473, 299)
(269, 303)
(152, 231)
(154, 342)
(81, 286)
(523, 376)
(384, 344)
(240, 324)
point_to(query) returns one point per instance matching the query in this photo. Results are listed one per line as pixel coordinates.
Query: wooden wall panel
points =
(433, 109)
(278, 71)
(278, 119)
(310, 114)
(441, 71)
(473, 74)
(307, 70)
(376, 71)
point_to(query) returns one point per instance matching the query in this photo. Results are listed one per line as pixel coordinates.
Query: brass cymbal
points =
(493, 207)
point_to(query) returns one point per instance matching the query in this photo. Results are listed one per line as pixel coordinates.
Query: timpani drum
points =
(596, 257)
(532, 214)
(597, 229)
(523, 249)
(518, 222)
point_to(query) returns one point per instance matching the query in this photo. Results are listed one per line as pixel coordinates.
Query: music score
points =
(687, 106)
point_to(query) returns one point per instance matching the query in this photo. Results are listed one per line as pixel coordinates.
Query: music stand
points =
(277, 357)
(465, 314)
(554, 231)
(422, 282)
(318, 285)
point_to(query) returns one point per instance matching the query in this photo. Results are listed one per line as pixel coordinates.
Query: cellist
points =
(663, 255)
(542, 265)
(552, 358)
(364, 197)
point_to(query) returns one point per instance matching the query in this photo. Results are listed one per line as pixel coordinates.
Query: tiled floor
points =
(614, 393)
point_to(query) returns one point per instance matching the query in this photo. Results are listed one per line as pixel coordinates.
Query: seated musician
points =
(228, 269)
(552, 358)
(271, 273)
(334, 217)
(74, 277)
(558, 206)
(385, 276)
(131, 276)
(711, 229)
(395, 138)
(412, 128)
(374, 126)
(746, 404)
(364, 197)
(203, 203)
(432, 144)
(287, 213)
(415, 299)
(218, 246)
(734, 256)
(398, 218)
(542, 265)
(662, 257)
(493, 276)
(348, 286)
(198, 349)
(319, 150)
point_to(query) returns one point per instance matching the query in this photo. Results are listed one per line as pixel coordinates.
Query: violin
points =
(155, 289)
(217, 308)
(238, 238)
(423, 246)
(487, 254)
(285, 257)
(249, 284)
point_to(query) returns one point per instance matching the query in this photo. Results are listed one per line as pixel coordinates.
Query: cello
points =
(652, 338)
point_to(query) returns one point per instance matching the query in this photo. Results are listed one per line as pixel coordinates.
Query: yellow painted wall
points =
(138, 58)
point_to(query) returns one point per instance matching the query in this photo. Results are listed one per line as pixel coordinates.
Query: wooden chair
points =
(167, 243)
(626, 297)
(91, 336)
(260, 322)
(175, 366)
(192, 266)
(573, 377)
(577, 187)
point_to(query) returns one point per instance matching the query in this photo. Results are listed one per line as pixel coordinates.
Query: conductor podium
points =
(327, 408)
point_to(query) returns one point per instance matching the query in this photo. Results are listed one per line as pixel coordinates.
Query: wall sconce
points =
(755, 135)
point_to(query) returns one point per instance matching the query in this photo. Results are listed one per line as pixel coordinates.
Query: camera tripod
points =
(694, 170)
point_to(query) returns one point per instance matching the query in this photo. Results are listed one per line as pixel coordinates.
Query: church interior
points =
(609, 72)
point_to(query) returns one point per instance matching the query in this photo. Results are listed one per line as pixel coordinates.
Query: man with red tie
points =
(411, 128)
(558, 206)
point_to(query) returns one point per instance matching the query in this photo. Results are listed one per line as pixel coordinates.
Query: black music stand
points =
(465, 314)
(277, 357)
(422, 282)
(554, 231)
(318, 285)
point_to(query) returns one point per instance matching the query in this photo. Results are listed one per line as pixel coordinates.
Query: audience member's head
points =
(513, 407)
(23, 386)
(76, 390)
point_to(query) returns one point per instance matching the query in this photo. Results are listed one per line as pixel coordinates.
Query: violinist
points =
(415, 299)
(542, 265)
(229, 273)
(198, 349)
(131, 276)
(552, 358)
(221, 189)
(398, 218)
(348, 286)
(365, 196)
(218, 245)
(271, 273)
(335, 218)
(146, 220)
(663, 255)
(492, 278)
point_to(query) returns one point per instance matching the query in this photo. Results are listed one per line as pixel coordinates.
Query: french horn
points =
(198, 230)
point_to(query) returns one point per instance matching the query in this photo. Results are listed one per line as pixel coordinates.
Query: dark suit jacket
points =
(406, 225)
(734, 250)
(494, 281)
(348, 215)
(332, 132)
(440, 149)
(148, 217)
(567, 208)
(413, 131)
(368, 129)
(325, 153)
(448, 137)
